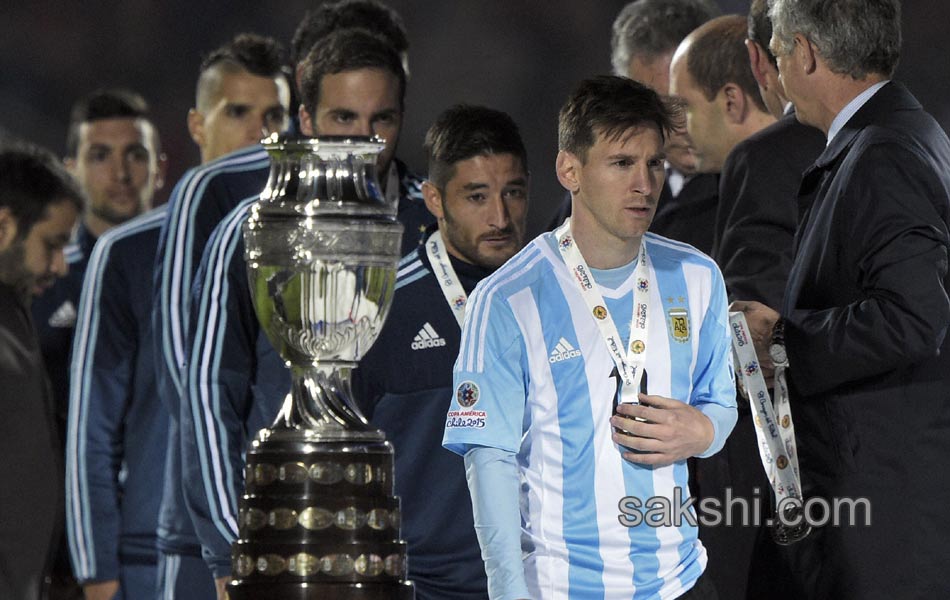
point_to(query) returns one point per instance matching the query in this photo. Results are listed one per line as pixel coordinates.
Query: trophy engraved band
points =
(318, 518)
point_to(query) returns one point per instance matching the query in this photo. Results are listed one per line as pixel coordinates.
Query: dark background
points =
(520, 56)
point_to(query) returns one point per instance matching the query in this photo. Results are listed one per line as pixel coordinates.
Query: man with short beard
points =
(478, 190)
(352, 84)
(39, 204)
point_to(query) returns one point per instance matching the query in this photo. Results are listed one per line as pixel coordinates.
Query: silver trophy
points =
(319, 519)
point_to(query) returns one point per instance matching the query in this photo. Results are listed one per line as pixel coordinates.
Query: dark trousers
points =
(703, 590)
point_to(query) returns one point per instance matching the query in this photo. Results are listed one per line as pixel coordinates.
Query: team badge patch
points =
(679, 324)
(637, 347)
(600, 312)
(467, 394)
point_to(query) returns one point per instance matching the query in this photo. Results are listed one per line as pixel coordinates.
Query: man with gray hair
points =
(863, 328)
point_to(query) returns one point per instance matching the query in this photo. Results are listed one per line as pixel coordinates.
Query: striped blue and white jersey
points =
(115, 451)
(202, 197)
(235, 382)
(533, 377)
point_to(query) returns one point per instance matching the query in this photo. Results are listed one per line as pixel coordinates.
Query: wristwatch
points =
(777, 345)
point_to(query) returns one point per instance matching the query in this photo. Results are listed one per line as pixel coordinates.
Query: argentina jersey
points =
(534, 377)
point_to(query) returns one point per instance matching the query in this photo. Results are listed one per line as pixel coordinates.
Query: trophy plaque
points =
(318, 519)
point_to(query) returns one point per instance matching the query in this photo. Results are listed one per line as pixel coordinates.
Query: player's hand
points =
(101, 590)
(221, 585)
(672, 430)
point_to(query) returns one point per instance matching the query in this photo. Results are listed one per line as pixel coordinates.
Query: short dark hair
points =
(609, 105)
(760, 27)
(649, 28)
(32, 179)
(717, 56)
(112, 103)
(255, 54)
(332, 16)
(347, 50)
(855, 37)
(464, 131)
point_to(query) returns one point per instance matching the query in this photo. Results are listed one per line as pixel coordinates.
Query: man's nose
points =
(123, 169)
(644, 180)
(498, 216)
(58, 266)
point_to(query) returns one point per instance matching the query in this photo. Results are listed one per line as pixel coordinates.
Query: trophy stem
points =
(320, 403)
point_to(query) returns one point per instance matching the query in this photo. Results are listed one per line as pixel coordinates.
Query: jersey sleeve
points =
(489, 379)
(494, 483)
(104, 348)
(714, 387)
(218, 382)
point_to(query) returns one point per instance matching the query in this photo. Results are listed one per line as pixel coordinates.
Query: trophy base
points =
(321, 591)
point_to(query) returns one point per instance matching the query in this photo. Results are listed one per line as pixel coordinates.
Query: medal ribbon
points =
(444, 273)
(629, 361)
(773, 423)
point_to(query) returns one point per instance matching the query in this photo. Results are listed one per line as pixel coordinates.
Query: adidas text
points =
(422, 344)
(563, 351)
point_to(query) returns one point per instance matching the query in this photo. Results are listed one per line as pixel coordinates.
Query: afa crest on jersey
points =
(678, 323)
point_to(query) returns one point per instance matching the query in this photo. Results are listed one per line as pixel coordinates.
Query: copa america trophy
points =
(318, 518)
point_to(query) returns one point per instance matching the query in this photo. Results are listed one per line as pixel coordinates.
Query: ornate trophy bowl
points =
(319, 519)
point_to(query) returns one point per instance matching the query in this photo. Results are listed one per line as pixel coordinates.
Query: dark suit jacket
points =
(690, 216)
(867, 313)
(756, 220)
(757, 215)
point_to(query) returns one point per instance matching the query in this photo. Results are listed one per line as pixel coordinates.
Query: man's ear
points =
(759, 62)
(306, 122)
(567, 167)
(196, 127)
(8, 227)
(734, 103)
(433, 199)
(807, 54)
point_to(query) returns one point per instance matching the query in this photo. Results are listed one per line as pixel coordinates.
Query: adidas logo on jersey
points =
(427, 338)
(65, 315)
(563, 351)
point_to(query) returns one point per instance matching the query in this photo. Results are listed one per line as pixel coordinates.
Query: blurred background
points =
(520, 56)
